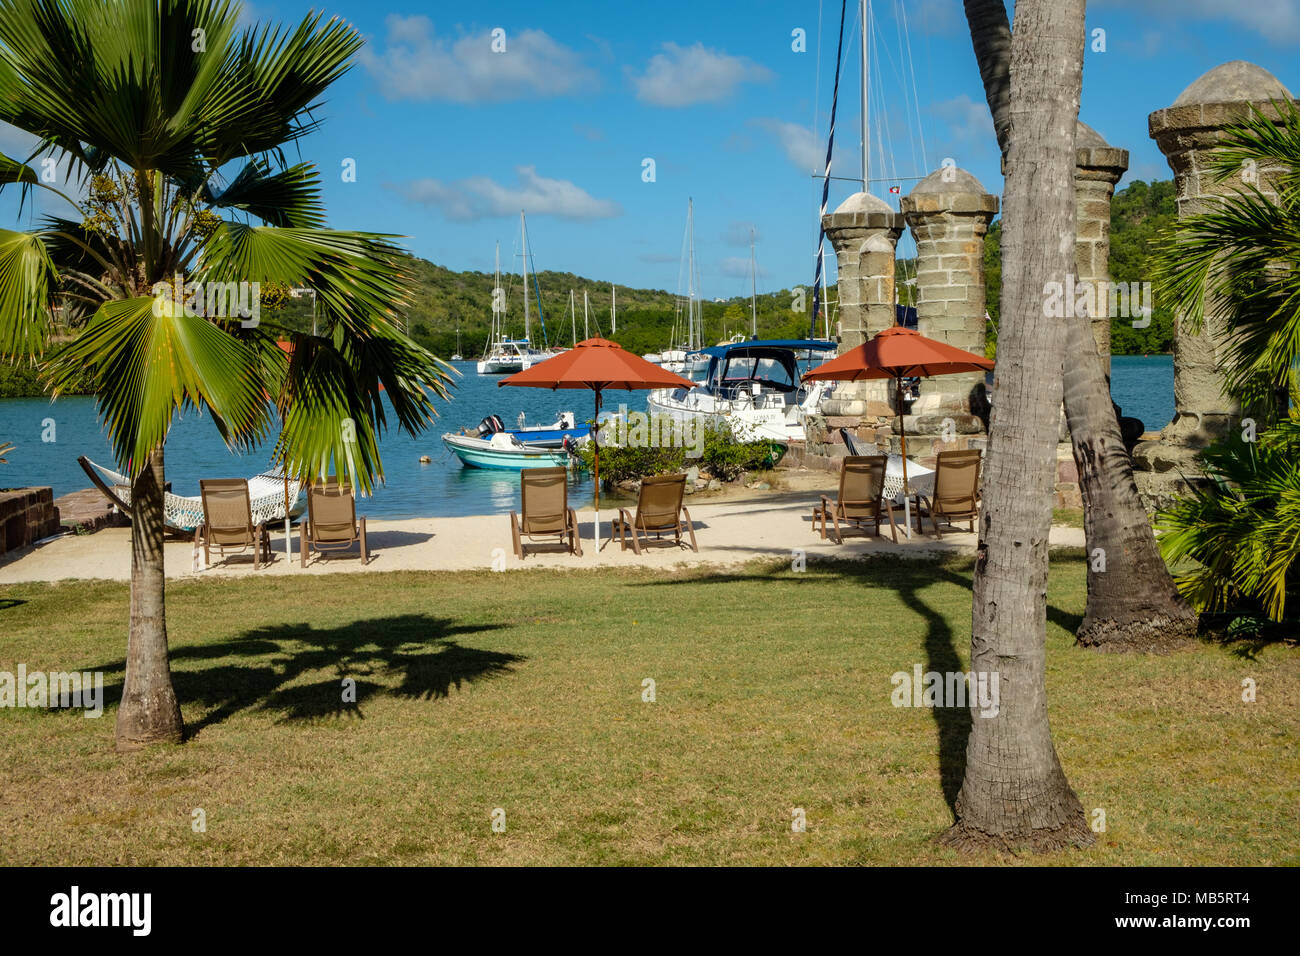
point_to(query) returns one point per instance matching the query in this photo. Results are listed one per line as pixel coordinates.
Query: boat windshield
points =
(770, 368)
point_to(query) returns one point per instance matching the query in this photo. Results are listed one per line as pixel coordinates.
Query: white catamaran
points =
(502, 354)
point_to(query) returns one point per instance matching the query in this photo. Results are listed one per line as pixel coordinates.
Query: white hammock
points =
(920, 480)
(266, 492)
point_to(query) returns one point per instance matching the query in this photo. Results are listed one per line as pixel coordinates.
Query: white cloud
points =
(738, 233)
(970, 125)
(480, 197)
(935, 16)
(800, 145)
(681, 76)
(1278, 21)
(738, 267)
(417, 65)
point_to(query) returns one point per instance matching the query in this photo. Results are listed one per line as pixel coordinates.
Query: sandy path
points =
(729, 532)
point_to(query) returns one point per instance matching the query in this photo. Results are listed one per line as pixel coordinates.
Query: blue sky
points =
(451, 139)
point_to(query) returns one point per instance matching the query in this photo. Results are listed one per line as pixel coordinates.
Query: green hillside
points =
(445, 299)
(1138, 214)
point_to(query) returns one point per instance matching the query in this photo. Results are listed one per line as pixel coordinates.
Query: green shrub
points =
(20, 378)
(727, 456)
(1238, 537)
(724, 456)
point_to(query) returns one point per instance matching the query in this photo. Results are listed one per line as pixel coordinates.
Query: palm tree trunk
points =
(1014, 793)
(149, 712)
(1132, 601)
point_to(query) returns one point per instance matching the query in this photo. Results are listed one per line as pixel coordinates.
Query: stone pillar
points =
(1098, 167)
(1186, 132)
(864, 231)
(949, 214)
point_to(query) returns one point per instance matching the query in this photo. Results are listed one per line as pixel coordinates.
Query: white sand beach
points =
(729, 532)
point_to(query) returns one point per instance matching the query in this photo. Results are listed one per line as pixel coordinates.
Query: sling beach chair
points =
(861, 499)
(544, 503)
(659, 511)
(228, 521)
(332, 523)
(956, 491)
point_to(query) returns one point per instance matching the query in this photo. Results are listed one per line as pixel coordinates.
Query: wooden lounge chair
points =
(956, 491)
(860, 499)
(544, 501)
(332, 523)
(228, 521)
(659, 511)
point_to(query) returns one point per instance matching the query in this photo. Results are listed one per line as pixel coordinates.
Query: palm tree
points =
(1014, 792)
(1132, 601)
(1239, 532)
(171, 124)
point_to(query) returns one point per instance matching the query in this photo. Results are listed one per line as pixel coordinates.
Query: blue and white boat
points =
(492, 445)
(559, 433)
(504, 452)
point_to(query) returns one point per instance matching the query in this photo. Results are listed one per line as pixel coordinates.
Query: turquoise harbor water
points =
(1143, 386)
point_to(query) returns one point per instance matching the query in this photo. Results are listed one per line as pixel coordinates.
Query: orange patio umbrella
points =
(898, 353)
(597, 364)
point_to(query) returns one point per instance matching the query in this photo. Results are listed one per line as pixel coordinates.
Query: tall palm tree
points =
(1132, 601)
(1014, 792)
(170, 123)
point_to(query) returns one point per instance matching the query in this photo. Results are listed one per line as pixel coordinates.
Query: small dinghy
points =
(503, 451)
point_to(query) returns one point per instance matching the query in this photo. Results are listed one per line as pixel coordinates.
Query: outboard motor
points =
(490, 426)
(566, 419)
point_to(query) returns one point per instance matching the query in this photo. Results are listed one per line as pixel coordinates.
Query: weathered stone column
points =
(1186, 133)
(949, 214)
(864, 231)
(1098, 167)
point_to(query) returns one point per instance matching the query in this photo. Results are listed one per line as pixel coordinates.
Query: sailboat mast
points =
(753, 294)
(586, 326)
(523, 233)
(826, 309)
(866, 97)
(690, 275)
(613, 308)
(573, 317)
(497, 303)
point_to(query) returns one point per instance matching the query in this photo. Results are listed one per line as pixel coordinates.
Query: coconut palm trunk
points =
(1014, 793)
(1133, 603)
(149, 712)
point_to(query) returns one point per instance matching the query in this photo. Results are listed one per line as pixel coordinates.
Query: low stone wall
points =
(84, 512)
(26, 515)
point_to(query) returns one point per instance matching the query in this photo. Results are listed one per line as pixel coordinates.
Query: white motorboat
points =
(753, 387)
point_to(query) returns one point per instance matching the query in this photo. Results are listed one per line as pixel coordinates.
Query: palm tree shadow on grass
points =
(420, 651)
(908, 579)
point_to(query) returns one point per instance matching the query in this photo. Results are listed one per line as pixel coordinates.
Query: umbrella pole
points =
(595, 437)
(902, 431)
(288, 546)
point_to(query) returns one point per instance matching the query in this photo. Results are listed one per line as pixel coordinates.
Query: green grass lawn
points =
(523, 691)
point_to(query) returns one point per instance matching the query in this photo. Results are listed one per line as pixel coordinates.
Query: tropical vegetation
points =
(1238, 532)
